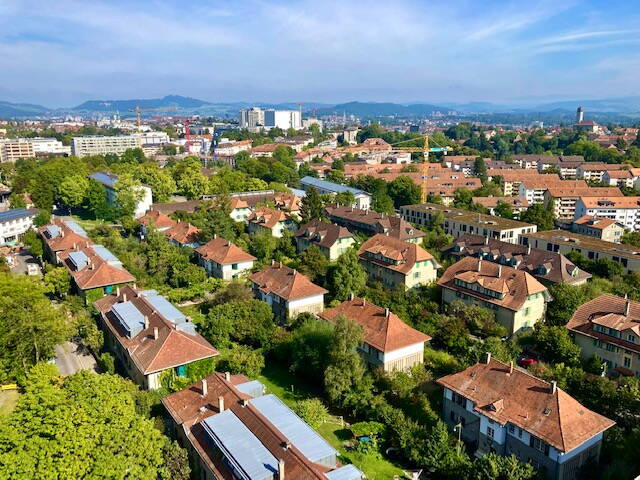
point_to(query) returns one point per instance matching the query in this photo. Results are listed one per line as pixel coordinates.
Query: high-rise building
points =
(252, 118)
(284, 119)
(14, 149)
(579, 115)
(99, 145)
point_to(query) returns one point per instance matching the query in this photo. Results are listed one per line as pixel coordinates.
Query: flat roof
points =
(470, 218)
(334, 187)
(129, 317)
(17, 213)
(577, 240)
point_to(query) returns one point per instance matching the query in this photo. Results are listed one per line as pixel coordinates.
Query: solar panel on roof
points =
(105, 179)
(253, 388)
(165, 308)
(105, 254)
(330, 186)
(307, 440)
(240, 446)
(348, 472)
(79, 260)
(17, 213)
(129, 317)
(52, 231)
(76, 228)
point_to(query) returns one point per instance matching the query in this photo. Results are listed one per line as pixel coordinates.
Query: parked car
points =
(526, 362)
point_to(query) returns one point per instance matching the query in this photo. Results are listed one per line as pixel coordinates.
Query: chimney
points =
(204, 387)
(273, 262)
(499, 270)
(554, 387)
(479, 265)
(215, 235)
(227, 376)
(364, 302)
(221, 403)
(351, 296)
(627, 308)
(486, 240)
(146, 322)
(487, 358)
(386, 313)
(295, 272)
(117, 291)
(528, 249)
(281, 469)
(124, 297)
(155, 333)
(510, 367)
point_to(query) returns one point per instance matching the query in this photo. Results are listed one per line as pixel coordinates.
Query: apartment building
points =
(222, 259)
(287, 291)
(395, 263)
(500, 408)
(534, 188)
(594, 172)
(15, 149)
(149, 336)
(332, 240)
(566, 165)
(458, 222)
(609, 327)
(233, 147)
(565, 198)
(621, 178)
(518, 300)
(511, 179)
(15, 223)
(601, 228)
(545, 266)
(61, 235)
(388, 342)
(49, 146)
(562, 241)
(252, 119)
(518, 204)
(624, 210)
(362, 199)
(234, 431)
(109, 181)
(102, 145)
(371, 222)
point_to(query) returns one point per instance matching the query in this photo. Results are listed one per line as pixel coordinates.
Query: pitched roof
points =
(322, 233)
(609, 311)
(160, 220)
(389, 252)
(595, 222)
(285, 282)
(372, 221)
(569, 191)
(183, 233)
(223, 252)
(492, 202)
(177, 342)
(96, 270)
(514, 285)
(383, 329)
(611, 202)
(268, 217)
(508, 395)
(61, 235)
(557, 267)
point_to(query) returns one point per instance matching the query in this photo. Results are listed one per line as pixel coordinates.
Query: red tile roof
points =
(98, 273)
(65, 240)
(223, 252)
(285, 282)
(158, 219)
(322, 233)
(183, 233)
(508, 395)
(268, 217)
(405, 254)
(383, 329)
(372, 221)
(595, 222)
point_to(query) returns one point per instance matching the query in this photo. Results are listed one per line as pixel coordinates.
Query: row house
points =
(499, 408)
(287, 291)
(395, 263)
(234, 431)
(565, 198)
(624, 210)
(388, 342)
(222, 259)
(517, 298)
(602, 228)
(332, 240)
(150, 337)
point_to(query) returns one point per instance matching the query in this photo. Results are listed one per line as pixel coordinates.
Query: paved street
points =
(69, 360)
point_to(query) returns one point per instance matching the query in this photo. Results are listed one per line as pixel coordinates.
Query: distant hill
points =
(378, 109)
(125, 105)
(617, 105)
(18, 110)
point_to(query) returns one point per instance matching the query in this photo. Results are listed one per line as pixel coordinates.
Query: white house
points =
(15, 223)
(109, 181)
(222, 259)
(624, 210)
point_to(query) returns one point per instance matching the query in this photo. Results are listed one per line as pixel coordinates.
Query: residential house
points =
(518, 204)
(149, 336)
(511, 179)
(266, 150)
(157, 220)
(15, 223)
(232, 147)
(287, 291)
(233, 431)
(61, 235)
(566, 165)
(624, 210)
(371, 222)
(458, 222)
(546, 267)
(396, 263)
(109, 181)
(621, 178)
(594, 171)
(331, 239)
(222, 259)
(388, 342)
(609, 327)
(362, 199)
(533, 189)
(603, 228)
(565, 198)
(267, 219)
(499, 408)
(518, 300)
(183, 234)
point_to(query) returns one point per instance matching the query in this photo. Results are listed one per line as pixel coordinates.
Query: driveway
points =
(69, 359)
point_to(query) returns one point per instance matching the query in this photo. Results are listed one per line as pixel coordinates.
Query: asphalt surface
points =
(69, 360)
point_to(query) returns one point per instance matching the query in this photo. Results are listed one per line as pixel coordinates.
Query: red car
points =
(526, 362)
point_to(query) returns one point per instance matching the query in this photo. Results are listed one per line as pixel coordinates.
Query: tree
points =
(313, 263)
(58, 281)
(263, 245)
(404, 191)
(160, 180)
(242, 360)
(81, 426)
(34, 242)
(462, 197)
(504, 210)
(312, 411)
(539, 215)
(566, 299)
(347, 276)
(312, 206)
(497, 467)
(176, 462)
(309, 347)
(554, 343)
(480, 168)
(249, 322)
(73, 190)
(129, 192)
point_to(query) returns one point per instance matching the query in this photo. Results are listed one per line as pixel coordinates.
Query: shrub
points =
(312, 411)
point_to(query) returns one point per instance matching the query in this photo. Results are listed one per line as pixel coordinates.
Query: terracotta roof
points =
(160, 220)
(183, 233)
(558, 268)
(546, 183)
(98, 272)
(65, 240)
(516, 285)
(514, 396)
(287, 201)
(172, 347)
(223, 252)
(610, 311)
(322, 233)
(380, 247)
(595, 222)
(382, 329)
(268, 217)
(285, 282)
(619, 174)
(596, 166)
(570, 191)
(611, 202)
(373, 222)
(266, 148)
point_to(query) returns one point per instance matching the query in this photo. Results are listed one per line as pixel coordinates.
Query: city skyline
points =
(65, 53)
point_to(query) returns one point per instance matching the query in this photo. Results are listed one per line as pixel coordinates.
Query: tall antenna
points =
(187, 135)
(425, 168)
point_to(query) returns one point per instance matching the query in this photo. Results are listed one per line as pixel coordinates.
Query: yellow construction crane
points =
(425, 161)
(139, 110)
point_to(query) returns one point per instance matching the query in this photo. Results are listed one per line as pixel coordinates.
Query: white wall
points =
(402, 352)
(303, 302)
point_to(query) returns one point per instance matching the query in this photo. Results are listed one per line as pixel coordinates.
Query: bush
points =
(312, 411)
(242, 360)
(107, 363)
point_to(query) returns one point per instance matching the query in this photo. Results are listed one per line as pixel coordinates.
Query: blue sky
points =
(60, 53)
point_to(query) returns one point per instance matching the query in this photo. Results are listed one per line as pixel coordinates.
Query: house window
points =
(539, 445)
(459, 400)
(234, 266)
(631, 338)
(526, 311)
(490, 432)
(512, 429)
(627, 362)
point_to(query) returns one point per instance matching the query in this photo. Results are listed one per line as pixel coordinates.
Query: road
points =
(69, 360)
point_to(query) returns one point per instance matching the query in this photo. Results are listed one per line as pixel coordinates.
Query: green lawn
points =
(279, 381)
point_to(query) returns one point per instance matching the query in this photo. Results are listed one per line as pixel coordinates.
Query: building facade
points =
(15, 223)
(222, 259)
(102, 145)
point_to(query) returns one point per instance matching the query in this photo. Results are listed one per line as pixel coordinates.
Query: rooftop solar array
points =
(241, 447)
(129, 317)
(76, 228)
(253, 388)
(333, 187)
(17, 213)
(105, 179)
(348, 472)
(298, 193)
(52, 231)
(106, 255)
(165, 308)
(79, 259)
(187, 327)
(312, 445)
